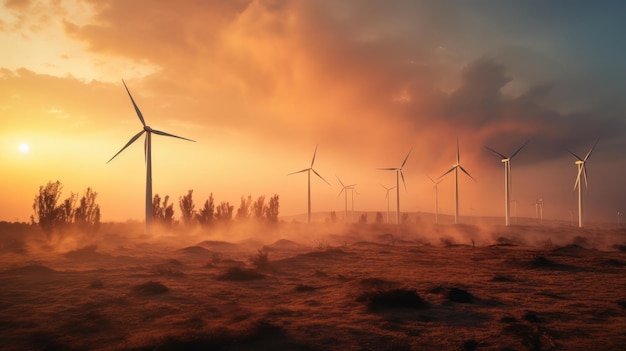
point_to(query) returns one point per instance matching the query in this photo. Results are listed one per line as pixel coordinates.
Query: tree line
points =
(84, 213)
(49, 214)
(213, 213)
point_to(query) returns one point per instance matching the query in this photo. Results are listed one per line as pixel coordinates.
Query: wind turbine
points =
(507, 181)
(148, 155)
(387, 198)
(436, 189)
(582, 170)
(399, 174)
(456, 168)
(344, 189)
(308, 170)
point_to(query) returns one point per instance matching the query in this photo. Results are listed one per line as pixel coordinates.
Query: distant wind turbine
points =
(507, 181)
(399, 174)
(436, 189)
(456, 168)
(308, 170)
(344, 189)
(582, 170)
(148, 155)
(387, 199)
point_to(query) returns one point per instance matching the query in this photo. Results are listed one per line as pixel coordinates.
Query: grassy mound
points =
(240, 275)
(151, 288)
(393, 298)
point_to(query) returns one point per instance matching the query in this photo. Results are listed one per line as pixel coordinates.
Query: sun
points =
(24, 148)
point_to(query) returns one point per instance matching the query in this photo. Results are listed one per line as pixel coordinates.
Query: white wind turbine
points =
(456, 168)
(308, 170)
(344, 189)
(582, 170)
(507, 181)
(436, 189)
(387, 199)
(398, 175)
(148, 155)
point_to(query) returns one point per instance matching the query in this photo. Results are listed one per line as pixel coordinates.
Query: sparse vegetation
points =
(261, 259)
(162, 212)
(187, 207)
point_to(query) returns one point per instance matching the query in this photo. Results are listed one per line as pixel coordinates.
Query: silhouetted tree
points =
(206, 214)
(243, 212)
(271, 212)
(224, 212)
(163, 213)
(67, 210)
(45, 207)
(87, 215)
(333, 216)
(379, 218)
(258, 208)
(187, 207)
(363, 219)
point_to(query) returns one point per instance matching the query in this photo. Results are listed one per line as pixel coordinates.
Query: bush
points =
(394, 298)
(151, 288)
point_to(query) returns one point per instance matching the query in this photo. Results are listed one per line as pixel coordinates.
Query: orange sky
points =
(258, 84)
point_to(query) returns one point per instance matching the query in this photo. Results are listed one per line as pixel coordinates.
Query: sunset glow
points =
(258, 84)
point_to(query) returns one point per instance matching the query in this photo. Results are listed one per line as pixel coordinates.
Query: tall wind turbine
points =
(506, 161)
(387, 198)
(344, 189)
(308, 170)
(399, 174)
(148, 154)
(456, 168)
(436, 189)
(582, 170)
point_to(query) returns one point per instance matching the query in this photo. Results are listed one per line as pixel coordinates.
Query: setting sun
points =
(24, 148)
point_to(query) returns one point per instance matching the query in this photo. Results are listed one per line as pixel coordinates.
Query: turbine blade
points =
(402, 175)
(322, 178)
(508, 165)
(495, 152)
(585, 176)
(143, 122)
(340, 182)
(577, 183)
(469, 175)
(304, 170)
(431, 179)
(314, 153)
(388, 169)
(520, 149)
(450, 170)
(341, 191)
(458, 153)
(590, 150)
(132, 140)
(573, 154)
(406, 158)
(169, 135)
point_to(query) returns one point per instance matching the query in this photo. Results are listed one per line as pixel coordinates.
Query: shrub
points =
(151, 288)
(394, 298)
(240, 274)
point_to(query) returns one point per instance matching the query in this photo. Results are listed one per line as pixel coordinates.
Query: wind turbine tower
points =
(456, 168)
(344, 189)
(148, 154)
(387, 198)
(309, 170)
(506, 161)
(399, 174)
(436, 189)
(582, 170)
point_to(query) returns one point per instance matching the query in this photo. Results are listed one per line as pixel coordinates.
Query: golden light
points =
(24, 148)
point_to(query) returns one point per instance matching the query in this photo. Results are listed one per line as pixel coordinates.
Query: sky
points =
(258, 84)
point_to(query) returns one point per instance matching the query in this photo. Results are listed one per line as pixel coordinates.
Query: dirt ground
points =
(342, 287)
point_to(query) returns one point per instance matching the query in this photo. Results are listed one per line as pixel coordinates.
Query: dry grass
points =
(160, 294)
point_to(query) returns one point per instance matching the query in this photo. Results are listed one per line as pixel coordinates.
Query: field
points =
(320, 287)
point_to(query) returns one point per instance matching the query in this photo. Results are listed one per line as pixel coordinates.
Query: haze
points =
(258, 84)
